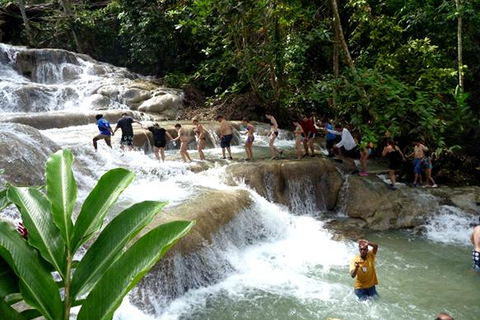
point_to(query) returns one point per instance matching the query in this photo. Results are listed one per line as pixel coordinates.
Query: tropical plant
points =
(42, 270)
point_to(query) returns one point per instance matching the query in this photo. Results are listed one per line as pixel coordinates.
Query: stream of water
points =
(270, 262)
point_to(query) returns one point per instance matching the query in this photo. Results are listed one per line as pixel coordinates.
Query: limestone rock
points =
(290, 181)
(23, 154)
(169, 105)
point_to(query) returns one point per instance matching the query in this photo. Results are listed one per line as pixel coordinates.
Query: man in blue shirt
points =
(330, 138)
(105, 131)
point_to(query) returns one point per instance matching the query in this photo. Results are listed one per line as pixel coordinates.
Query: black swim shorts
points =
(225, 142)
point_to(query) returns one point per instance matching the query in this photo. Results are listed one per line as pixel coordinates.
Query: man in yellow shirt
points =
(362, 267)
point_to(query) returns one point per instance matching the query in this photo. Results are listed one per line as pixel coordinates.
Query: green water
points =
(417, 279)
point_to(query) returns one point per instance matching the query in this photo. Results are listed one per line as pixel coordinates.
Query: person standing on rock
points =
(273, 134)
(159, 140)
(199, 137)
(106, 131)
(125, 123)
(250, 129)
(395, 160)
(298, 131)
(308, 127)
(418, 155)
(226, 136)
(183, 137)
(330, 138)
(475, 239)
(362, 267)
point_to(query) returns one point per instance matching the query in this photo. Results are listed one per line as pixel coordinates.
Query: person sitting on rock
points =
(106, 131)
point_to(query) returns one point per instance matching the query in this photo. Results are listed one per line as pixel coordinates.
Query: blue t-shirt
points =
(330, 136)
(103, 126)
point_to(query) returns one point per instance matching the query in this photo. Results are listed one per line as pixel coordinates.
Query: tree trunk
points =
(66, 8)
(338, 28)
(28, 31)
(459, 43)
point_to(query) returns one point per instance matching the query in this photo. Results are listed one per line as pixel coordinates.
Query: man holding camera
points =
(362, 267)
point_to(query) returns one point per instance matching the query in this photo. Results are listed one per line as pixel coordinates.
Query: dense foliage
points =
(404, 81)
(42, 268)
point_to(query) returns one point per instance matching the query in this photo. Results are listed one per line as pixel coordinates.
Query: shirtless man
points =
(475, 239)
(226, 135)
(418, 155)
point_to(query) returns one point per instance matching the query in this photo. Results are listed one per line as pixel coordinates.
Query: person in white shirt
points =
(347, 147)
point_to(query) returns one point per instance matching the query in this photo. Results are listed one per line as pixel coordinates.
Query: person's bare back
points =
(225, 128)
(475, 238)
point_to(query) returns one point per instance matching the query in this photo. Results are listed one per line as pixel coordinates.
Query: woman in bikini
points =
(200, 137)
(182, 136)
(273, 134)
(249, 141)
(299, 133)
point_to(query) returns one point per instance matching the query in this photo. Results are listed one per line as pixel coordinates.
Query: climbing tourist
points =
(183, 137)
(298, 132)
(475, 239)
(364, 154)
(159, 140)
(125, 123)
(330, 138)
(310, 131)
(428, 166)
(106, 131)
(443, 316)
(347, 147)
(226, 136)
(250, 129)
(362, 267)
(273, 134)
(418, 155)
(395, 160)
(199, 137)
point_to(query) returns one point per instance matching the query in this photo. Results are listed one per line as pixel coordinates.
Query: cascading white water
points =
(270, 262)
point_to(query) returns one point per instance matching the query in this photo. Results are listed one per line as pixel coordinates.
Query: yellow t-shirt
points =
(366, 275)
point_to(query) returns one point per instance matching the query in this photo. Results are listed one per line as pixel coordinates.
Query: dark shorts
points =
(330, 143)
(225, 142)
(352, 154)
(160, 143)
(364, 294)
(395, 164)
(417, 166)
(476, 260)
(126, 140)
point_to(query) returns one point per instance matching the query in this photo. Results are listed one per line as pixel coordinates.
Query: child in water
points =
(428, 166)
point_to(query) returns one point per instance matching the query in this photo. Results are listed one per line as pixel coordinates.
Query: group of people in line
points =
(338, 139)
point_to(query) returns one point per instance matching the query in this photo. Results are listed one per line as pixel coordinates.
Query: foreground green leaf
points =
(8, 313)
(127, 271)
(110, 244)
(37, 218)
(8, 280)
(4, 202)
(98, 202)
(37, 285)
(62, 191)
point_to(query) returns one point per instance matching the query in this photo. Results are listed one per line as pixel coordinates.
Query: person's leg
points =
(155, 151)
(108, 141)
(391, 174)
(95, 145)
(201, 145)
(429, 170)
(363, 162)
(270, 144)
(297, 147)
(229, 153)
(361, 295)
(162, 154)
(305, 146)
(312, 147)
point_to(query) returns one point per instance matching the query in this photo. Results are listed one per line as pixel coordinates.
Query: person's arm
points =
(471, 237)
(385, 151)
(116, 128)
(401, 153)
(169, 135)
(342, 142)
(135, 121)
(374, 245)
(354, 269)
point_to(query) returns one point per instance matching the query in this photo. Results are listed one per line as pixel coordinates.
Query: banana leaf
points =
(4, 202)
(8, 280)
(8, 313)
(62, 191)
(37, 285)
(110, 244)
(98, 202)
(37, 218)
(126, 272)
